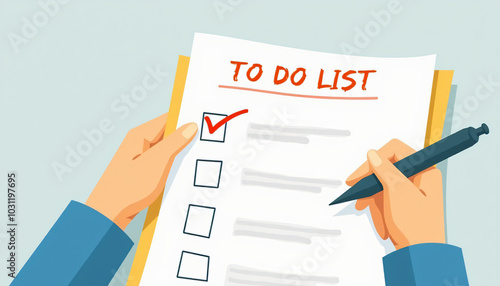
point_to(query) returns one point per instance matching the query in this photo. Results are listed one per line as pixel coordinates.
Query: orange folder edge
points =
(439, 102)
(148, 229)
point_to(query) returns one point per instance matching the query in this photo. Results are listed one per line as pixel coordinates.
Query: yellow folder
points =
(437, 112)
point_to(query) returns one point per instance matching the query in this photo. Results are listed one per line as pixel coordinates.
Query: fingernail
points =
(190, 129)
(374, 158)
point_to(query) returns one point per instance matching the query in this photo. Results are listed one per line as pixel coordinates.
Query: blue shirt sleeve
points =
(82, 248)
(426, 264)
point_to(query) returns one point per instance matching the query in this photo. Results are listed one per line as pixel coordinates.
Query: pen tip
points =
(334, 202)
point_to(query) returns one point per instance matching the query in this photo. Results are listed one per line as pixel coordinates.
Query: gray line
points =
(260, 283)
(270, 132)
(248, 271)
(301, 130)
(284, 276)
(310, 189)
(336, 183)
(288, 227)
(290, 238)
(280, 138)
(261, 232)
(443, 166)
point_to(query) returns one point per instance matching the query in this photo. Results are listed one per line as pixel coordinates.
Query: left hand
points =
(137, 174)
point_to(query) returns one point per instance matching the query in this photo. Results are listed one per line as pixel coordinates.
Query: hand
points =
(410, 210)
(138, 172)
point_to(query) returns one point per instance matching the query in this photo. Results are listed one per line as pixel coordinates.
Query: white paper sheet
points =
(266, 220)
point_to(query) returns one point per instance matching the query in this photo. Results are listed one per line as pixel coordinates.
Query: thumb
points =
(390, 177)
(165, 151)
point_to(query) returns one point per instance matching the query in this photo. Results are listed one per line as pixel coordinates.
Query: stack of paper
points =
(248, 204)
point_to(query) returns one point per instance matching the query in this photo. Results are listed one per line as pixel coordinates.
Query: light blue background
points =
(64, 80)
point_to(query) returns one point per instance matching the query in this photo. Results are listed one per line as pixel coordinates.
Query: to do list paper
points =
(248, 204)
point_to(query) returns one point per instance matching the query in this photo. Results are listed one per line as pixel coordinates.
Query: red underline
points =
(299, 95)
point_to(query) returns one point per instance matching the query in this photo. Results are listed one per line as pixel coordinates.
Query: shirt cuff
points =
(425, 264)
(83, 247)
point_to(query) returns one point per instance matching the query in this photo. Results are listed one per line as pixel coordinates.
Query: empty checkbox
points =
(193, 266)
(207, 173)
(219, 135)
(199, 220)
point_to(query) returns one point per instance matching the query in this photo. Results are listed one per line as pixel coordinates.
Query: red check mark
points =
(213, 128)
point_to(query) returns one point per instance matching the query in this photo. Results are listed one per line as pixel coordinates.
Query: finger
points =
(417, 177)
(390, 177)
(379, 221)
(165, 151)
(375, 203)
(394, 151)
(156, 162)
(430, 182)
(361, 172)
(376, 210)
(141, 138)
(152, 130)
(361, 204)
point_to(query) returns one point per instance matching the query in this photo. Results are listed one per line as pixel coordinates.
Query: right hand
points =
(409, 210)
